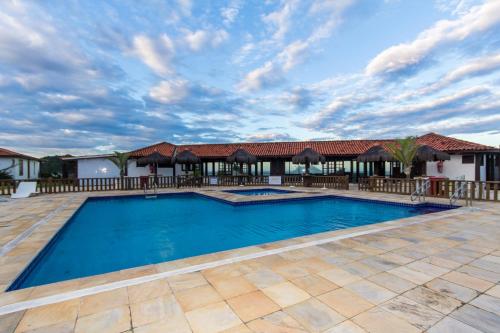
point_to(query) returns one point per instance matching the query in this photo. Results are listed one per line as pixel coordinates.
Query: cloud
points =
(267, 137)
(185, 6)
(280, 19)
(230, 12)
(156, 54)
(268, 75)
(294, 53)
(199, 39)
(168, 92)
(404, 56)
(481, 66)
(299, 98)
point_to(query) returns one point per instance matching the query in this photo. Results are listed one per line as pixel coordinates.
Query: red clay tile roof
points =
(164, 148)
(9, 153)
(449, 144)
(288, 149)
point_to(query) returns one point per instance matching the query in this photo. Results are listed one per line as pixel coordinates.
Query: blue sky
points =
(91, 76)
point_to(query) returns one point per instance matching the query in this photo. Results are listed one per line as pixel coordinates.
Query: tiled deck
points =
(435, 273)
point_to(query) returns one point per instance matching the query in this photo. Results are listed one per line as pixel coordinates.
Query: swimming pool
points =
(114, 233)
(259, 191)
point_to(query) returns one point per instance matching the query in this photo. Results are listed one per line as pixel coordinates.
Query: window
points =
(21, 167)
(266, 168)
(467, 159)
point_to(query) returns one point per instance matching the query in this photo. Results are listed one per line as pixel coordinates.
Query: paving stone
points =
(392, 282)
(212, 318)
(378, 320)
(314, 284)
(111, 321)
(482, 320)
(232, 287)
(494, 291)
(480, 273)
(8, 322)
(413, 312)
(49, 315)
(286, 294)
(148, 290)
(346, 327)
(450, 325)
(488, 303)
(467, 281)
(185, 281)
(156, 309)
(174, 325)
(411, 275)
(196, 297)
(451, 289)
(432, 299)
(103, 301)
(277, 322)
(252, 305)
(345, 302)
(370, 291)
(314, 315)
(264, 278)
(339, 276)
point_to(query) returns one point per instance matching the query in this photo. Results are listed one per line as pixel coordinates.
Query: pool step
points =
(150, 196)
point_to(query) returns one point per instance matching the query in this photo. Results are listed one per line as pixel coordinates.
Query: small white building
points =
(19, 166)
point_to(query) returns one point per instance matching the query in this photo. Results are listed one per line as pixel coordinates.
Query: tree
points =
(5, 175)
(120, 160)
(404, 150)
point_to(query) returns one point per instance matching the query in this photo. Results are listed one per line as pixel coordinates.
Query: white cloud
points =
(403, 56)
(230, 12)
(168, 92)
(281, 19)
(266, 75)
(476, 67)
(185, 7)
(199, 39)
(156, 54)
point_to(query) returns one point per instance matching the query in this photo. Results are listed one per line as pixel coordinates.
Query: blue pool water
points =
(259, 191)
(110, 234)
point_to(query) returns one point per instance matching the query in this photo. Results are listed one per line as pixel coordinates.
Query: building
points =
(469, 160)
(19, 166)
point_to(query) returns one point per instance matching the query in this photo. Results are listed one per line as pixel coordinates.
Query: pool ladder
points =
(462, 191)
(150, 196)
(421, 191)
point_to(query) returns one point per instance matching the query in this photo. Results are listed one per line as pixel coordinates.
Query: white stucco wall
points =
(135, 171)
(452, 169)
(97, 168)
(34, 167)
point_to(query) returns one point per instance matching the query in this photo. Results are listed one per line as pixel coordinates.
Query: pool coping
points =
(206, 259)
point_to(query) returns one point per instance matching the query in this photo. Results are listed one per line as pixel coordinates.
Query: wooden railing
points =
(292, 180)
(335, 182)
(8, 187)
(441, 188)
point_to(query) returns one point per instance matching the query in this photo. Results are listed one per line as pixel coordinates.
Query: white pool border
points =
(24, 305)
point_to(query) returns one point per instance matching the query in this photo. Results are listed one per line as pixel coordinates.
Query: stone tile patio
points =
(437, 273)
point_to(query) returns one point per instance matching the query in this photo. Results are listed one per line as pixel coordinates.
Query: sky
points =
(90, 77)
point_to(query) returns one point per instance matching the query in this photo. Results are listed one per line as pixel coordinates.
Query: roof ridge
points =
(455, 139)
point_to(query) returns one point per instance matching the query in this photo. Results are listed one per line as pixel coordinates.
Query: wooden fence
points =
(8, 187)
(442, 188)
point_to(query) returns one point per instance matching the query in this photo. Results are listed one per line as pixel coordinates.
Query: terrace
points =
(432, 272)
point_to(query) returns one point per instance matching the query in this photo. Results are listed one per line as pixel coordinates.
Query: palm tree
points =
(120, 160)
(405, 151)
